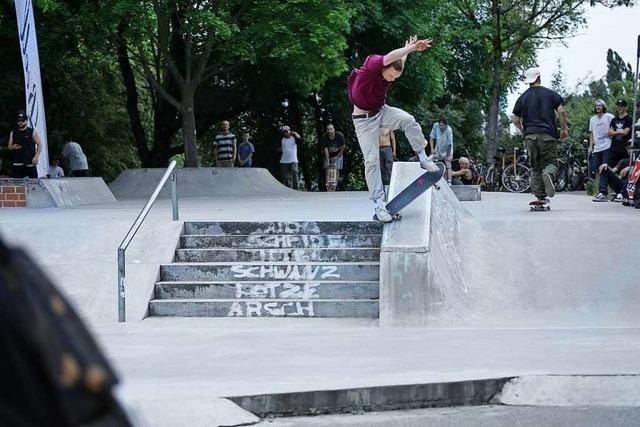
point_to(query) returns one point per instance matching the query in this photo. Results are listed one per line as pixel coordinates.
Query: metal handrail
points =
(170, 172)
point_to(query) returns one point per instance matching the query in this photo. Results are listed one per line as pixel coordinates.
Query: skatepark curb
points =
(378, 398)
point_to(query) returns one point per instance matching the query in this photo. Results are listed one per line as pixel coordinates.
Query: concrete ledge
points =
(63, 192)
(404, 255)
(467, 193)
(383, 398)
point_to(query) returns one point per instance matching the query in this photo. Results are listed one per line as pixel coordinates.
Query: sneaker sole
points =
(549, 188)
(375, 218)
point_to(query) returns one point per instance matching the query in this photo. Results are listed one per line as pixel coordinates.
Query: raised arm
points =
(411, 45)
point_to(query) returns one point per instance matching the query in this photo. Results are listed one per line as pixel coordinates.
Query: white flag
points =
(32, 82)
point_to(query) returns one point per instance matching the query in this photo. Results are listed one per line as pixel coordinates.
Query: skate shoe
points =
(429, 165)
(600, 197)
(549, 188)
(380, 212)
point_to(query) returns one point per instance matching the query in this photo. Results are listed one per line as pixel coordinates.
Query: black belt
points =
(365, 115)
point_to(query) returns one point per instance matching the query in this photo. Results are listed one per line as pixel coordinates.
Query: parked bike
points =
(493, 173)
(571, 175)
(516, 177)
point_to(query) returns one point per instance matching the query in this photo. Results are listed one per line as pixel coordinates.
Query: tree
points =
(196, 40)
(617, 69)
(510, 32)
(558, 80)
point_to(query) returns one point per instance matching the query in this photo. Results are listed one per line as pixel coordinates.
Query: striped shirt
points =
(225, 143)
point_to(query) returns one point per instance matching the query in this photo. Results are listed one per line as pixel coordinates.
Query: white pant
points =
(368, 132)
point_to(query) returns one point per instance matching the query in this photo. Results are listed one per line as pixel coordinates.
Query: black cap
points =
(21, 115)
(621, 102)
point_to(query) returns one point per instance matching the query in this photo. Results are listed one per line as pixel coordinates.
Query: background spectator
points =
(55, 171)
(245, 151)
(616, 178)
(387, 156)
(24, 142)
(332, 144)
(225, 146)
(599, 144)
(289, 158)
(620, 133)
(78, 164)
(442, 136)
(464, 174)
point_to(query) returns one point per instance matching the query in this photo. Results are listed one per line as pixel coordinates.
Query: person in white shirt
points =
(55, 171)
(599, 144)
(289, 158)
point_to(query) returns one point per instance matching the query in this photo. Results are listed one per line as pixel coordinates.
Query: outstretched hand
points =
(419, 45)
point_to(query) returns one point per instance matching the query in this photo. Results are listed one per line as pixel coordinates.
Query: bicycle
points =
(493, 173)
(571, 175)
(516, 177)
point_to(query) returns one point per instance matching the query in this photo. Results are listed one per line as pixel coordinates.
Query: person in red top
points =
(367, 88)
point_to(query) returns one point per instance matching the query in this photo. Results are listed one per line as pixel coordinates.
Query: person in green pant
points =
(534, 115)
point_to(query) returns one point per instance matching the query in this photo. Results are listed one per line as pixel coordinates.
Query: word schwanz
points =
(285, 272)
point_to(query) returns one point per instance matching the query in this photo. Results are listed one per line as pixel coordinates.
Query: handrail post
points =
(122, 315)
(174, 194)
(169, 173)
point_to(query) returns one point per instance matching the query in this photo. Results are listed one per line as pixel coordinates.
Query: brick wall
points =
(13, 196)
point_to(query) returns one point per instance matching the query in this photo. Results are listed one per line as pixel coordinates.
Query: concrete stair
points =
(272, 269)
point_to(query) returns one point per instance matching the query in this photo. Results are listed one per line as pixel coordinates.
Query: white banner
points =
(32, 82)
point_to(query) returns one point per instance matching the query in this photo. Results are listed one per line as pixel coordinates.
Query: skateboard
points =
(413, 190)
(539, 205)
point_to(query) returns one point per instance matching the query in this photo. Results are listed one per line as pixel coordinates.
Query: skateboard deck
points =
(539, 205)
(413, 190)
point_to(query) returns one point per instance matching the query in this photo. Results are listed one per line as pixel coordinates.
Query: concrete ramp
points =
(200, 182)
(441, 266)
(66, 192)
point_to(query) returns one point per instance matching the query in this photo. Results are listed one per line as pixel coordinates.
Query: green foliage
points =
(255, 54)
(617, 69)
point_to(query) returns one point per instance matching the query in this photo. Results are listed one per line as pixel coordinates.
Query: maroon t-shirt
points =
(366, 86)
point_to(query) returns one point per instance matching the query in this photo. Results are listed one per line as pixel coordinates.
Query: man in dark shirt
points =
(616, 178)
(620, 133)
(534, 115)
(25, 144)
(332, 144)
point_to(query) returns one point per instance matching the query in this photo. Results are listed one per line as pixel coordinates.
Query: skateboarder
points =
(534, 115)
(367, 88)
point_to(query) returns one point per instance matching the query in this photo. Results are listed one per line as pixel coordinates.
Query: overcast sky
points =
(585, 55)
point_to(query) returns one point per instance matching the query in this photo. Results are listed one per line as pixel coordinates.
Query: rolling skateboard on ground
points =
(540, 205)
(413, 190)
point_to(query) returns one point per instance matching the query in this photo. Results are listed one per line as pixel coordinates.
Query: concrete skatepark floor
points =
(161, 360)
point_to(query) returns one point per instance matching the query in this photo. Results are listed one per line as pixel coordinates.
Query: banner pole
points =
(34, 105)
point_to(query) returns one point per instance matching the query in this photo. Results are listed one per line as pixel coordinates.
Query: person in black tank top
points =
(464, 175)
(24, 142)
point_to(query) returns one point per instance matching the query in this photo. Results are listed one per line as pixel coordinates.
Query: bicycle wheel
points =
(516, 180)
(562, 178)
(576, 177)
(491, 179)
